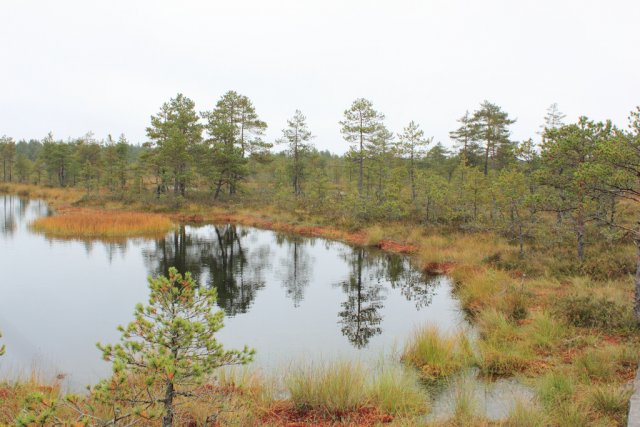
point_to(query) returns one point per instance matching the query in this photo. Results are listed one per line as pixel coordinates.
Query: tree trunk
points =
(636, 307)
(580, 236)
(580, 230)
(360, 160)
(218, 187)
(521, 240)
(167, 420)
(412, 179)
(486, 159)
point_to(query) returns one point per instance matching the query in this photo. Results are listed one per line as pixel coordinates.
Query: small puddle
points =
(491, 399)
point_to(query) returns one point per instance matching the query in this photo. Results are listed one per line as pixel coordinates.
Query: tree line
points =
(579, 174)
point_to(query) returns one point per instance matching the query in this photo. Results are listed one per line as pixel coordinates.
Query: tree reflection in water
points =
(360, 318)
(8, 218)
(415, 285)
(221, 256)
(217, 260)
(296, 266)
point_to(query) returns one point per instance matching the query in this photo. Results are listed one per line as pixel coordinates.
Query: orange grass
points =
(73, 223)
(56, 197)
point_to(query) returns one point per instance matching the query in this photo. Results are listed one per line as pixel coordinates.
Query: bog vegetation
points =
(79, 223)
(540, 237)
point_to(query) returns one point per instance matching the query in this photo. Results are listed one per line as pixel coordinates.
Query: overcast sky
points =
(105, 66)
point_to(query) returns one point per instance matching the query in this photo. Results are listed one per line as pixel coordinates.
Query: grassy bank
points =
(565, 330)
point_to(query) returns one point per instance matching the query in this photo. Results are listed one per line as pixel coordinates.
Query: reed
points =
(89, 223)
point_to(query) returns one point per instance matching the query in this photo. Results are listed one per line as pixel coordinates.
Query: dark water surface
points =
(291, 298)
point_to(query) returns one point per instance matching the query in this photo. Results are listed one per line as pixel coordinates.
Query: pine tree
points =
(235, 132)
(171, 343)
(381, 151)
(464, 137)
(360, 126)
(175, 134)
(515, 203)
(490, 126)
(617, 170)
(567, 152)
(23, 167)
(8, 156)
(115, 162)
(297, 136)
(413, 147)
(55, 156)
(553, 119)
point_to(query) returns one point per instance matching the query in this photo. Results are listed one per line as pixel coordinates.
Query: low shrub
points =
(609, 264)
(589, 311)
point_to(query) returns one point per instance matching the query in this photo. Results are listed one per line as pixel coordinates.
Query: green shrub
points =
(609, 264)
(590, 311)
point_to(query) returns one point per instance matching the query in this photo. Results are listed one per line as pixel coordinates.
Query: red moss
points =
(285, 414)
(568, 355)
(397, 247)
(611, 339)
(438, 267)
(5, 393)
(194, 219)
